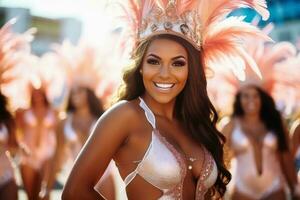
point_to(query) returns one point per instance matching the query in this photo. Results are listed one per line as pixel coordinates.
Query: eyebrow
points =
(177, 57)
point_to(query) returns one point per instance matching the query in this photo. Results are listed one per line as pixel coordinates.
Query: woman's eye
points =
(179, 63)
(153, 62)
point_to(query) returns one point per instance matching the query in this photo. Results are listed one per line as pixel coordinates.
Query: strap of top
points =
(149, 114)
(151, 119)
(133, 174)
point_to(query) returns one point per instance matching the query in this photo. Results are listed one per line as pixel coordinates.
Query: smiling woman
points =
(164, 70)
(162, 131)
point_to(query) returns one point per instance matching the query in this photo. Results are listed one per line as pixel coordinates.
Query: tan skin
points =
(82, 121)
(10, 189)
(32, 178)
(124, 134)
(296, 138)
(255, 131)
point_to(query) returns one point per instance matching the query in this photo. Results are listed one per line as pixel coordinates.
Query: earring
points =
(141, 71)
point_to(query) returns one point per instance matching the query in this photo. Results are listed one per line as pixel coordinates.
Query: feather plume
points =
(279, 68)
(147, 6)
(213, 10)
(185, 5)
(232, 28)
(14, 48)
(226, 37)
(162, 3)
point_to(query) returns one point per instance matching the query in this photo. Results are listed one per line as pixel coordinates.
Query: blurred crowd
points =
(49, 104)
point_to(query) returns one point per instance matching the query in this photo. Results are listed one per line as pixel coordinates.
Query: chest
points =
(42, 120)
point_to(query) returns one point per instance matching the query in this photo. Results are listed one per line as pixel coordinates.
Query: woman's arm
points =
(55, 162)
(287, 164)
(111, 130)
(295, 138)
(57, 157)
(288, 169)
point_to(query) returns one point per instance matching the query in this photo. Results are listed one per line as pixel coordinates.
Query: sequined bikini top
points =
(165, 168)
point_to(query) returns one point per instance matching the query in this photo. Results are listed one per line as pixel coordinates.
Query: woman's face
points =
(164, 70)
(38, 97)
(78, 97)
(250, 100)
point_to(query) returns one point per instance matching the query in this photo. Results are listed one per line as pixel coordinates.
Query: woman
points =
(83, 109)
(8, 143)
(262, 167)
(125, 130)
(162, 133)
(37, 127)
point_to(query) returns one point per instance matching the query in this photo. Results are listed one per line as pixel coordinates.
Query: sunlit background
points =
(91, 21)
(57, 20)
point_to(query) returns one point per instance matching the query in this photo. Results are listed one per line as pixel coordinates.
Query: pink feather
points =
(211, 11)
(147, 6)
(162, 3)
(232, 28)
(275, 54)
(225, 38)
(185, 5)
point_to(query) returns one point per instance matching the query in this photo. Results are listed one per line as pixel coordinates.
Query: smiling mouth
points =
(164, 86)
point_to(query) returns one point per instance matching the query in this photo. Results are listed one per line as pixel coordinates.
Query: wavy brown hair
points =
(7, 119)
(268, 114)
(193, 107)
(94, 103)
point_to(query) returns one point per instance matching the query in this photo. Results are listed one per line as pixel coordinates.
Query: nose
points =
(164, 71)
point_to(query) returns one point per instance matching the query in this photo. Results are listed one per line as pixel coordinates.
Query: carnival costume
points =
(204, 24)
(278, 78)
(14, 48)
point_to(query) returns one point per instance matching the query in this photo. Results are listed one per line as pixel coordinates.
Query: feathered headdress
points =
(203, 23)
(286, 84)
(84, 66)
(14, 48)
(14, 54)
(272, 60)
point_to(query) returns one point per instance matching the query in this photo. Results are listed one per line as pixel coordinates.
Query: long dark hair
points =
(193, 107)
(94, 103)
(7, 119)
(269, 115)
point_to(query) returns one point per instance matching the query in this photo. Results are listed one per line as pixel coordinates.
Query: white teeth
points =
(164, 85)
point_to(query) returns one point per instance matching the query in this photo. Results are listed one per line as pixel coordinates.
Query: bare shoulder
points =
(125, 111)
(228, 128)
(121, 119)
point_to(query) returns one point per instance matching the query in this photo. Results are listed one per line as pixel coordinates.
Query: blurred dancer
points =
(261, 167)
(14, 48)
(37, 126)
(83, 76)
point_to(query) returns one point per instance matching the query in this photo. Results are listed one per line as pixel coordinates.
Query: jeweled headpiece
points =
(203, 23)
(169, 19)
